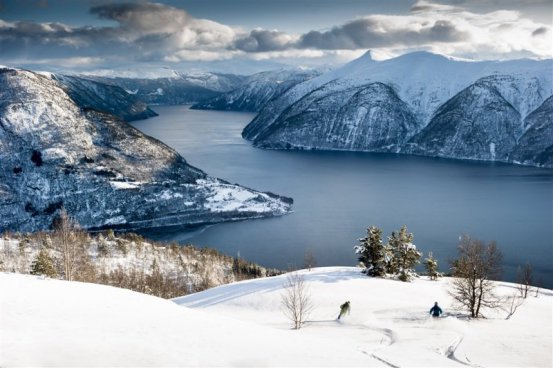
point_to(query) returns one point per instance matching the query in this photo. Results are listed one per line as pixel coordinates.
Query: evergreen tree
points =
(43, 264)
(431, 266)
(405, 254)
(372, 253)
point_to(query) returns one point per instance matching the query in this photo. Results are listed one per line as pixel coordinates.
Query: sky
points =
(251, 35)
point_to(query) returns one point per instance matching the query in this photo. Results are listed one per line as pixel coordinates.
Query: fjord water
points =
(337, 195)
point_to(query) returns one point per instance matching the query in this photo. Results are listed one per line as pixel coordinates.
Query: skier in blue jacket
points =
(435, 311)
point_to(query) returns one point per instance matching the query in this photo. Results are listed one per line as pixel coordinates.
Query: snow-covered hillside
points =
(176, 89)
(105, 173)
(256, 90)
(241, 324)
(328, 112)
(90, 94)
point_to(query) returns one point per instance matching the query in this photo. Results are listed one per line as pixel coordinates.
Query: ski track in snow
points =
(450, 353)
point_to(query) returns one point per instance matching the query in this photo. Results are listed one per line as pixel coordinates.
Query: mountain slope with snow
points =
(256, 90)
(90, 94)
(478, 123)
(536, 144)
(370, 118)
(241, 324)
(102, 170)
(423, 82)
(162, 91)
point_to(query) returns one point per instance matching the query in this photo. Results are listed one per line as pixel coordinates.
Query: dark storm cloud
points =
(142, 31)
(368, 32)
(143, 16)
(263, 40)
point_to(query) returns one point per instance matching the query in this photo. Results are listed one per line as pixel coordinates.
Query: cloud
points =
(384, 31)
(260, 40)
(143, 31)
(153, 32)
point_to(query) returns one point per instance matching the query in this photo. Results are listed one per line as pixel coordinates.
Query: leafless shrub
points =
(513, 302)
(296, 299)
(524, 279)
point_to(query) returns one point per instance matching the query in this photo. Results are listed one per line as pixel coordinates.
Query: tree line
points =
(124, 260)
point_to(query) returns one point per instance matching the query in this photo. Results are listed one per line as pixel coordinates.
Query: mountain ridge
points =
(425, 82)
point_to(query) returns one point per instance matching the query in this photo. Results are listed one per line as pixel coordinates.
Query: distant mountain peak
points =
(367, 56)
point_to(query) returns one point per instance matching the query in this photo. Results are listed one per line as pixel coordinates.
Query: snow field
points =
(47, 322)
(389, 320)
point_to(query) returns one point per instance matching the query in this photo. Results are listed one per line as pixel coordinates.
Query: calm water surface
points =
(337, 195)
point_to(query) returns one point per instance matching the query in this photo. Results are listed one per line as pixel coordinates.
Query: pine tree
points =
(43, 264)
(431, 266)
(405, 254)
(372, 253)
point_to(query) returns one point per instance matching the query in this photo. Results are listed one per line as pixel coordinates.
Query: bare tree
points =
(473, 271)
(524, 279)
(69, 240)
(296, 299)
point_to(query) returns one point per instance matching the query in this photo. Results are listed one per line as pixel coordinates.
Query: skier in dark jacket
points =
(435, 311)
(344, 308)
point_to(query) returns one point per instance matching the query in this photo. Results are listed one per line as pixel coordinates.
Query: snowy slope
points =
(103, 97)
(241, 325)
(389, 320)
(103, 171)
(536, 144)
(478, 123)
(256, 90)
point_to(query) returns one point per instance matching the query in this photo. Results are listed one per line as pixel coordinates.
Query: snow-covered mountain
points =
(371, 117)
(424, 86)
(90, 94)
(162, 91)
(256, 90)
(178, 89)
(478, 123)
(106, 173)
(58, 323)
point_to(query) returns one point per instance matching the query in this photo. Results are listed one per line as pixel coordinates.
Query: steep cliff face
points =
(536, 144)
(478, 123)
(368, 118)
(257, 90)
(103, 171)
(439, 94)
(90, 94)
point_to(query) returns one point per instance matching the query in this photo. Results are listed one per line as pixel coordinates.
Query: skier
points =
(344, 308)
(435, 311)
